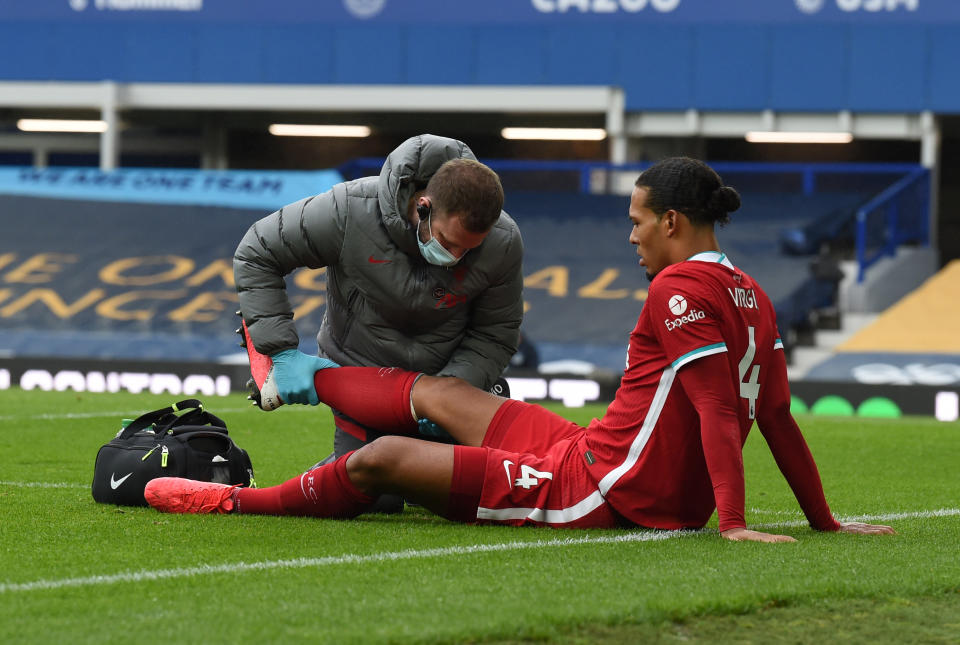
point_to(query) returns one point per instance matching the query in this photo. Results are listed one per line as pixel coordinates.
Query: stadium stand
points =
(912, 342)
(923, 322)
(797, 282)
(153, 281)
(112, 280)
(588, 234)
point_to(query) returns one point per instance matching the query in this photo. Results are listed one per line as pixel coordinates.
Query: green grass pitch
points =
(74, 571)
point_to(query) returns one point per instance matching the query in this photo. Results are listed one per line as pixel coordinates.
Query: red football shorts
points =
(536, 474)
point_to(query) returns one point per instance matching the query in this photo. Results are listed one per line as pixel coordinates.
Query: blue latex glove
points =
(293, 371)
(430, 429)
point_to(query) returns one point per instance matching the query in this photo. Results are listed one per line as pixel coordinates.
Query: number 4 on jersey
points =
(529, 477)
(750, 389)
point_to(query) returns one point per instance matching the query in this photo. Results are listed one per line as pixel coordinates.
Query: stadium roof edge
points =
(389, 98)
(109, 98)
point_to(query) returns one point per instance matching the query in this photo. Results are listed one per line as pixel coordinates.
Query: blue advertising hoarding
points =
(485, 11)
(257, 189)
(802, 55)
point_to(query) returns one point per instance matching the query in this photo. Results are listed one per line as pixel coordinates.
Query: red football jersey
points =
(654, 461)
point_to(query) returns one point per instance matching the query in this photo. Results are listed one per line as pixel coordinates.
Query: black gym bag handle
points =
(146, 420)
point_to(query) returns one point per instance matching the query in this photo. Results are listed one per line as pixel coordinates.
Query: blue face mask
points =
(433, 252)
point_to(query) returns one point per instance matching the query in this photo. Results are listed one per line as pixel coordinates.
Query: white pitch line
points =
(885, 517)
(43, 484)
(765, 511)
(70, 415)
(88, 415)
(128, 414)
(302, 563)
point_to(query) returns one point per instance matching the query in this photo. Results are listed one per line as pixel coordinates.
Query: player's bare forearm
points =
(746, 535)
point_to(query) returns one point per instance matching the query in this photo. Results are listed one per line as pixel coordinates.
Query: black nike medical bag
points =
(194, 444)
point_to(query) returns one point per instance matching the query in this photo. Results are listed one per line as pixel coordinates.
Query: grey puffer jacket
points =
(386, 306)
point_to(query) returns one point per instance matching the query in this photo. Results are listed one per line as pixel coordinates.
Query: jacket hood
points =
(407, 170)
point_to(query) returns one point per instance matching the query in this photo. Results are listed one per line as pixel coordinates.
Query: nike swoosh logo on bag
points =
(373, 260)
(115, 483)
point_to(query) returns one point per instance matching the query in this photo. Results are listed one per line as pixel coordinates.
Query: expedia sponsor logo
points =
(693, 316)
(677, 304)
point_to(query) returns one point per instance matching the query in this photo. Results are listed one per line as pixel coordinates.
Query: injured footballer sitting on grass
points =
(705, 361)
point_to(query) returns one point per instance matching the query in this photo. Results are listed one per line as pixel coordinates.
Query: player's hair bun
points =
(690, 187)
(724, 199)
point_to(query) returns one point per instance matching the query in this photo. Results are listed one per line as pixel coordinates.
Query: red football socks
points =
(325, 491)
(378, 397)
(258, 501)
(469, 465)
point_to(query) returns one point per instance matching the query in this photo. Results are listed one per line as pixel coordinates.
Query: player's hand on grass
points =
(859, 528)
(293, 371)
(746, 535)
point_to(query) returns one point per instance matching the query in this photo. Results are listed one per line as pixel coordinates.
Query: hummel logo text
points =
(115, 483)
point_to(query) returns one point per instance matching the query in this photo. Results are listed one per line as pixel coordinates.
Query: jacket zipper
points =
(351, 315)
